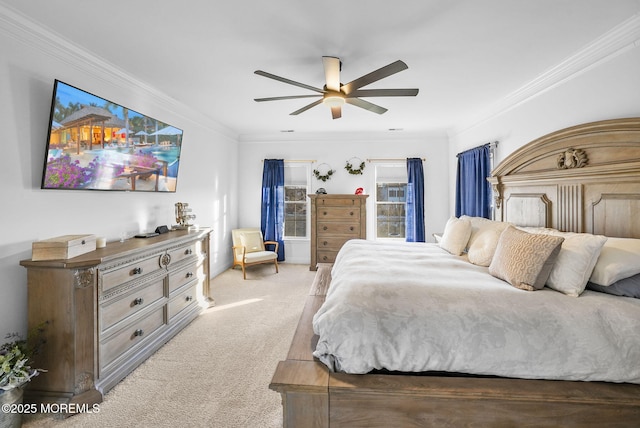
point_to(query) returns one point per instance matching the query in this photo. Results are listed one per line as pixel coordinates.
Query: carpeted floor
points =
(216, 372)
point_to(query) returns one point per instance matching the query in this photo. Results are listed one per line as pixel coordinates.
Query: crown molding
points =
(24, 30)
(617, 41)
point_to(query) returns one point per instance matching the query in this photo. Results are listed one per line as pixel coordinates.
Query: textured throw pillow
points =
(456, 235)
(619, 259)
(575, 261)
(484, 238)
(520, 258)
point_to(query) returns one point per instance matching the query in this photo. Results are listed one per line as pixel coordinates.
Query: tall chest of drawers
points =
(334, 220)
(110, 309)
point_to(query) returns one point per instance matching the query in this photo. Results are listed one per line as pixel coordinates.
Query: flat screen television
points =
(96, 144)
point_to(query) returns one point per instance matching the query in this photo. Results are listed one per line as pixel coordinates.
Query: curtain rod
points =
(390, 159)
(296, 160)
(492, 145)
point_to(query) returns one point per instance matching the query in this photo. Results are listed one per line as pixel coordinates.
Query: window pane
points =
(390, 220)
(295, 211)
(391, 192)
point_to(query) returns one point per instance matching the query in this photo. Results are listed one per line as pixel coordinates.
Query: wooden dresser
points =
(334, 220)
(110, 309)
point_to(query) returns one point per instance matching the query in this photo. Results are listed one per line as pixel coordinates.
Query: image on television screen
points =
(95, 144)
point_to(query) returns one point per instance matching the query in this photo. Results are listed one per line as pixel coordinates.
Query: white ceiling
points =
(463, 55)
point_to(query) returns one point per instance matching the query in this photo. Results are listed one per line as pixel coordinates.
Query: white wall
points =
(336, 150)
(208, 181)
(607, 90)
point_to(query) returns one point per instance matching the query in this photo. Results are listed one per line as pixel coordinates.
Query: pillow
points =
(524, 259)
(627, 287)
(252, 240)
(575, 262)
(484, 238)
(456, 235)
(619, 259)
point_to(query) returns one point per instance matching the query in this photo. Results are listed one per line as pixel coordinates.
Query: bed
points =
(581, 180)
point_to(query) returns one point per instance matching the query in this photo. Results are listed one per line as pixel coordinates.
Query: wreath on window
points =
(355, 171)
(326, 176)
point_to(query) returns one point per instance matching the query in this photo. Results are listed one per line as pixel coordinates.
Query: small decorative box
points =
(63, 247)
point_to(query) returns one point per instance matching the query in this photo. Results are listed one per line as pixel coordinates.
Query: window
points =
(296, 178)
(391, 197)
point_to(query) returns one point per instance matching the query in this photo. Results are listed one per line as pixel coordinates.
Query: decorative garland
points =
(323, 177)
(355, 171)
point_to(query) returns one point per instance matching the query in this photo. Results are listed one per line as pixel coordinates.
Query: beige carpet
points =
(216, 372)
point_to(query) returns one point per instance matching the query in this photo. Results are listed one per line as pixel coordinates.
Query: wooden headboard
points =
(580, 179)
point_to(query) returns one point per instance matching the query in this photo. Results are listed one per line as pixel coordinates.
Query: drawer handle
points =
(324, 257)
(188, 251)
(138, 301)
(324, 213)
(351, 213)
(189, 298)
(325, 243)
(165, 260)
(189, 274)
(136, 271)
(139, 332)
(351, 228)
(325, 228)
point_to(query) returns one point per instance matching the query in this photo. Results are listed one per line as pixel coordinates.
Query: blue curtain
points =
(272, 219)
(473, 192)
(415, 201)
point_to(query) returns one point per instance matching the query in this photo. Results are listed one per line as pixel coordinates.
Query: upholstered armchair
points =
(249, 249)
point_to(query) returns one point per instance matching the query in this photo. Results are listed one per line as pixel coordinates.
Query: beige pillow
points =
(456, 235)
(252, 241)
(576, 260)
(484, 238)
(523, 259)
(619, 259)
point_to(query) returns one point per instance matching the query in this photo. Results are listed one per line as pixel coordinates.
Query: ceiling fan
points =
(334, 94)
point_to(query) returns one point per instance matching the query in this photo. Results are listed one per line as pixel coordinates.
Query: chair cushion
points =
(252, 241)
(259, 256)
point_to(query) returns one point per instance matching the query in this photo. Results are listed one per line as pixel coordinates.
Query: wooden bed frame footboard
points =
(314, 397)
(580, 179)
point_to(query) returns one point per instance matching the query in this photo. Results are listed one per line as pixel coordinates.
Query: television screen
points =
(96, 144)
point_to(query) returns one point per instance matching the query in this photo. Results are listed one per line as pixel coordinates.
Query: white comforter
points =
(414, 307)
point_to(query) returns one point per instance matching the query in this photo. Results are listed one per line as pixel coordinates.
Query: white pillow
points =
(484, 238)
(575, 262)
(456, 235)
(619, 259)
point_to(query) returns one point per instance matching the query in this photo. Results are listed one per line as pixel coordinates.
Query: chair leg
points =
(276, 263)
(244, 273)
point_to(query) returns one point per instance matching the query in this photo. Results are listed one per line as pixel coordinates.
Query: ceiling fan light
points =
(333, 101)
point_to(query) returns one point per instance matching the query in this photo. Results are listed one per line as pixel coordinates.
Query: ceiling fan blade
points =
(290, 97)
(336, 112)
(332, 72)
(285, 80)
(383, 93)
(307, 107)
(374, 76)
(365, 105)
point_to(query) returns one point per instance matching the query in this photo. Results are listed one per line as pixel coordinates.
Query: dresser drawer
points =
(338, 228)
(134, 334)
(337, 202)
(334, 243)
(130, 304)
(182, 253)
(181, 276)
(131, 271)
(348, 214)
(184, 299)
(326, 256)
